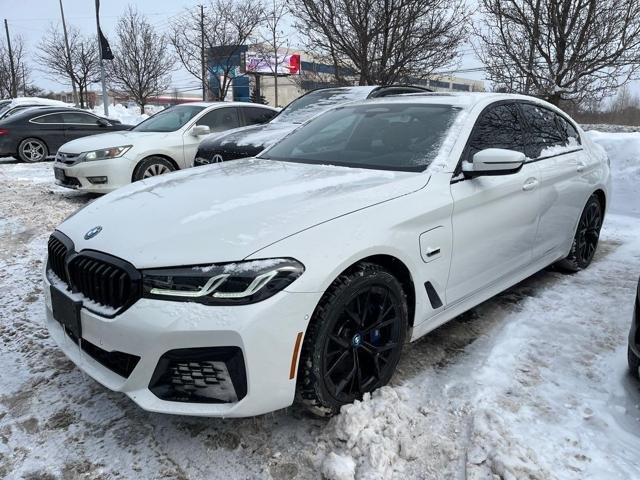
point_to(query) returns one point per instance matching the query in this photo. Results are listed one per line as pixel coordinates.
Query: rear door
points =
(555, 145)
(80, 124)
(49, 128)
(494, 218)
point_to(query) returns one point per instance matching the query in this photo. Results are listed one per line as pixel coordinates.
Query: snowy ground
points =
(532, 384)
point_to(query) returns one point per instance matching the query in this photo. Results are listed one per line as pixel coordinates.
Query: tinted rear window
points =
(305, 107)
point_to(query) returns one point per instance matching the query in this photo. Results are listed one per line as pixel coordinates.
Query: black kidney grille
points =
(101, 281)
(57, 256)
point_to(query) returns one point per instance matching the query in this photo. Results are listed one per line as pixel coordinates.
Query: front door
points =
(495, 218)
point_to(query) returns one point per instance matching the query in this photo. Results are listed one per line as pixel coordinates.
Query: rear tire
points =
(634, 363)
(585, 241)
(354, 340)
(152, 167)
(32, 150)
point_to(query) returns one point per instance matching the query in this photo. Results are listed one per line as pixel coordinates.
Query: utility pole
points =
(105, 98)
(69, 65)
(24, 81)
(14, 86)
(202, 62)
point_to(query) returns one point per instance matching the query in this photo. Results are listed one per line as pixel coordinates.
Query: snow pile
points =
(128, 116)
(379, 435)
(623, 150)
(338, 467)
(605, 127)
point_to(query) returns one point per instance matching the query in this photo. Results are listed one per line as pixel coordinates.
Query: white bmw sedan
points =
(302, 273)
(163, 143)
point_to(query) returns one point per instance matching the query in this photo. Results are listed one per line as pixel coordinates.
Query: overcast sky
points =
(32, 18)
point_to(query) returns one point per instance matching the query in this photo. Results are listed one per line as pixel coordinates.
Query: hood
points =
(108, 140)
(227, 211)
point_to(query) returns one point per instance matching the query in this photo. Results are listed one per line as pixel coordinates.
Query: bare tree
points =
(84, 67)
(384, 41)
(274, 40)
(142, 65)
(228, 25)
(20, 70)
(560, 49)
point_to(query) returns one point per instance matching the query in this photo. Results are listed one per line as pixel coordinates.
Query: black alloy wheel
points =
(585, 241)
(354, 340)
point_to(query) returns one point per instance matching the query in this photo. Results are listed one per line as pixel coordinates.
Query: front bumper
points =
(264, 332)
(118, 172)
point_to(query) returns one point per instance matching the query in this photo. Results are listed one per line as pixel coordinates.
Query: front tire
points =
(152, 167)
(32, 150)
(354, 340)
(585, 241)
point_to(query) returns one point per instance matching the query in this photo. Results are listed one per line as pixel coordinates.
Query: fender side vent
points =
(433, 295)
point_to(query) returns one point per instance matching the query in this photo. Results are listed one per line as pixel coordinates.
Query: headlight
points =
(238, 283)
(106, 153)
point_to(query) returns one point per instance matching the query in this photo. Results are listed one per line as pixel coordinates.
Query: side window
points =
(255, 115)
(497, 127)
(221, 119)
(568, 130)
(51, 118)
(79, 118)
(545, 130)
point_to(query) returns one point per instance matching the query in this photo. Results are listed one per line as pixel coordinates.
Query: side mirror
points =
(103, 123)
(494, 161)
(200, 130)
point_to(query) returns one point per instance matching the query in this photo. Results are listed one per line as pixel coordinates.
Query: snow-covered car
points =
(302, 272)
(250, 141)
(20, 103)
(165, 142)
(633, 350)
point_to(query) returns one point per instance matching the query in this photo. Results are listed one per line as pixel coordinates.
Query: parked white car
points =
(163, 143)
(301, 273)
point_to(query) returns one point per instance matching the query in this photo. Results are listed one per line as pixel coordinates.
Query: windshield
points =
(305, 107)
(169, 120)
(379, 136)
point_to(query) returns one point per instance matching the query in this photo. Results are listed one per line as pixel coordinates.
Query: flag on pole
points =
(105, 49)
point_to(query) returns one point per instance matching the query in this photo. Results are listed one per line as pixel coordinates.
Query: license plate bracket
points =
(66, 311)
(59, 174)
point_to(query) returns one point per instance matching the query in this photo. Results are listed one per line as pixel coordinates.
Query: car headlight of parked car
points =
(106, 153)
(238, 283)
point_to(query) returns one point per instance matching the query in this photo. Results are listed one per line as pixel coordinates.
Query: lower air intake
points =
(200, 375)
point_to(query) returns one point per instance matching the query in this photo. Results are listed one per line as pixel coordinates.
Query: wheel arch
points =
(146, 157)
(602, 198)
(399, 270)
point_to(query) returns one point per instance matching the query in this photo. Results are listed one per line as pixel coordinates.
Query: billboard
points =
(261, 63)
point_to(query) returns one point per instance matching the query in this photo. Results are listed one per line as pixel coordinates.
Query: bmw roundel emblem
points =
(92, 233)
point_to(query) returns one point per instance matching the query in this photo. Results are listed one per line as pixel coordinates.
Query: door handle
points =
(530, 184)
(581, 166)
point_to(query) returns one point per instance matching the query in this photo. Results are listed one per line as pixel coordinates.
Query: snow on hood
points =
(108, 140)
(227, 211)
